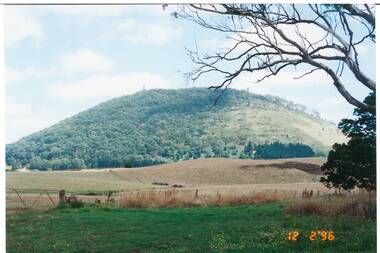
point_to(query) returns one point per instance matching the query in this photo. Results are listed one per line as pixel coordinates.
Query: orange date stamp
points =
(313, 235)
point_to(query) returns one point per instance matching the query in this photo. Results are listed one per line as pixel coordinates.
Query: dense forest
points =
(277, 150)
(159, 126)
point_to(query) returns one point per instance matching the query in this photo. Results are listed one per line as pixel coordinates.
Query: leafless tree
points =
(271, 37)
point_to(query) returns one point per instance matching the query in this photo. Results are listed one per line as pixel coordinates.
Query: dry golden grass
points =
(219, 181)
(101, 180)
(222, 171)
(361, 205)
(175, 198)
(289, 188)
(298, 203)
(214, 173)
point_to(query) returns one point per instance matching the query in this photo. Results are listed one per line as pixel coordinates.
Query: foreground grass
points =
(256, 228)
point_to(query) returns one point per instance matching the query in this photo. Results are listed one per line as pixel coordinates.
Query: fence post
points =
(196, 194)
(61, 197)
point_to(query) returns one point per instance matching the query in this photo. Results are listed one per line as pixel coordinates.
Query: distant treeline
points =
(274, 150)
(76, 163)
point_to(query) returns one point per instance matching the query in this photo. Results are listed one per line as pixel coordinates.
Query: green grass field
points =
(256, 228)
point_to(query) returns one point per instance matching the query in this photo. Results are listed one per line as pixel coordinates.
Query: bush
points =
(77, 204)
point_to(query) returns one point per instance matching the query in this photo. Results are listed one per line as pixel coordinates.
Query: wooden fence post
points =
(61, 197)
(196, 194)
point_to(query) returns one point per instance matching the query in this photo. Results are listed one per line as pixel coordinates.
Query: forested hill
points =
(168, 125)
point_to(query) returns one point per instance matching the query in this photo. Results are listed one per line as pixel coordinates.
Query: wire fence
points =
(43, 199)
(22, 199)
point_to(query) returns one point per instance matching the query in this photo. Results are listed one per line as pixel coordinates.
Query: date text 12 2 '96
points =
(313, 235)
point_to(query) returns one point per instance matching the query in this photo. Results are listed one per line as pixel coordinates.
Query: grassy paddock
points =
(254, 228)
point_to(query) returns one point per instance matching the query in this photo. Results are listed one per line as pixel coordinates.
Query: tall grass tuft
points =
(362, 205)
(174, 198)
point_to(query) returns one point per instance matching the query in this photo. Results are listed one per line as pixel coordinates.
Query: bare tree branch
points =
(269, 37)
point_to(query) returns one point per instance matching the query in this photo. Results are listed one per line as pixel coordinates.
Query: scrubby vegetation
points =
(173, 198)
(158, 126)
(362, 206)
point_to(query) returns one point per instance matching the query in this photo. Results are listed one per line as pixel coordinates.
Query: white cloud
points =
(362, 49)
(285, 79)
(215, 44)
(92, 11)
(310, 91)
(313, 34)
(15, 109)
(84, 60)
(331, 102)
(20, 24)
(71, 63)
(21, 120)
(149, 33)
(333, 107)
(107, 86)
(12, 75)
(18, 127)
(89, 10)
(38, 73)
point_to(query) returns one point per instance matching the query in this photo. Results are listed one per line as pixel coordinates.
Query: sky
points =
(60, 60)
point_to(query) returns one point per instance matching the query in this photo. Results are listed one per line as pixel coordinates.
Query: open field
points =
(207, 177)
(215, 173)
(236, 206)
(256, 228)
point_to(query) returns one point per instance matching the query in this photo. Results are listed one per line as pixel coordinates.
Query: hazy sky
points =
(61, 60)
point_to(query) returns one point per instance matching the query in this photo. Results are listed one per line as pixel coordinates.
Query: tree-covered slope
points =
(168, 125)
